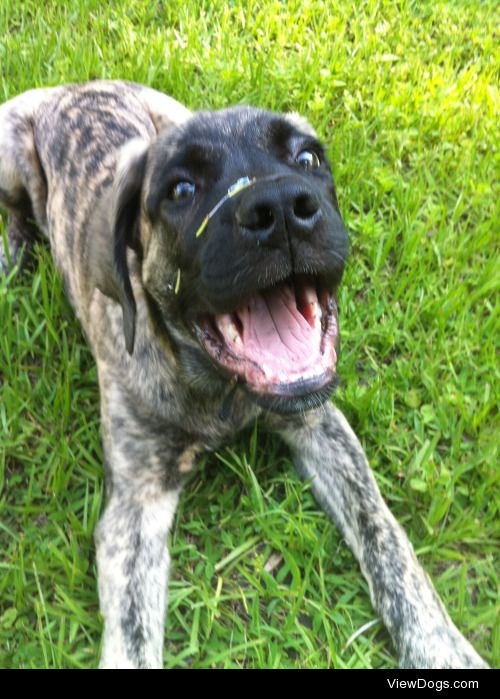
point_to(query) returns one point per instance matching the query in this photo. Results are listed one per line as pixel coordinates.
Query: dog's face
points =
(242, 248)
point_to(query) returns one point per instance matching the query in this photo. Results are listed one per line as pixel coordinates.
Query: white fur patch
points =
(300, 123)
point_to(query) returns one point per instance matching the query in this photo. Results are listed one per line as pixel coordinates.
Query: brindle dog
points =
(202, 253)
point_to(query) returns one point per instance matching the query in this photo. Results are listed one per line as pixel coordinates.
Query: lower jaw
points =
(297, 397)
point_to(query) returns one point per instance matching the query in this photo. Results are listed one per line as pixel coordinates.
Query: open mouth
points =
(281, 341)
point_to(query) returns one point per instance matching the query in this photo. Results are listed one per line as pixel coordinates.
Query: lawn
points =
(406, 96)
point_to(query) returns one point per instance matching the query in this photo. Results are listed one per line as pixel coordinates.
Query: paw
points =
(443, 648)
(14, 245)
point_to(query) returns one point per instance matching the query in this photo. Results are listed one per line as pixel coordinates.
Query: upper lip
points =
(217, 302)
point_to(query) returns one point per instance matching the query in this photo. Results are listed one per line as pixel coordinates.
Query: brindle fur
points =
(77, 160)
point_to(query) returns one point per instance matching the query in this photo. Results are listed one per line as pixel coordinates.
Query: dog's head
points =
(234, 217)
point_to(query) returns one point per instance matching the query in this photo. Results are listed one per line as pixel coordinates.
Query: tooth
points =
(228, 329)
(310, 294)
(315, 310)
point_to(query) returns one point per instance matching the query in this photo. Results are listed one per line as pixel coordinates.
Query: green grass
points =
(405, 94)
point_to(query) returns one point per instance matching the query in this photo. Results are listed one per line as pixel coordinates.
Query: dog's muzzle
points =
(282, 340)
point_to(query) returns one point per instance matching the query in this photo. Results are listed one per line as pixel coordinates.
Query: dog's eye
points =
(182, 191)
(308, 160)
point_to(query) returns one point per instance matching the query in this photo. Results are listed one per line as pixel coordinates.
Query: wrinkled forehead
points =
(245, 126)
(231, 134)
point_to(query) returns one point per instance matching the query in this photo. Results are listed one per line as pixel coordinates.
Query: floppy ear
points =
(108, 257)
(125, 227)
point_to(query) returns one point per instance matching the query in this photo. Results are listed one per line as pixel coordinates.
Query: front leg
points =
(133, 564)
(326, 450)
(145, 464)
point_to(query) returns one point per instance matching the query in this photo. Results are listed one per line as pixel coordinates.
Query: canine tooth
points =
(228, 328)
(235, 337)
(316, 310)
(224, 323)
(310, 295)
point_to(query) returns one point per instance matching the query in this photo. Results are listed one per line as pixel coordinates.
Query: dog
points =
(202, 253)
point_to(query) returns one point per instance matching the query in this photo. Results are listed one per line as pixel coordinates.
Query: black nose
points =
(269, 212)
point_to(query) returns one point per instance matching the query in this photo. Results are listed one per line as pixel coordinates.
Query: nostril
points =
(266, 216)
(261, 218)
(305, 206)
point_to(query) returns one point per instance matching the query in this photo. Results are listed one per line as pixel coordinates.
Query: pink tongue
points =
(276, 335)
